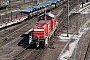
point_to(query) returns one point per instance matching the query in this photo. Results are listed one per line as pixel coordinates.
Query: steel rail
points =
(13, 33)
(87, 51)
(15, 56)
(24, 58)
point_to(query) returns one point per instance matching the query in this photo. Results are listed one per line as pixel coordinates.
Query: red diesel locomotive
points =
(44, 29)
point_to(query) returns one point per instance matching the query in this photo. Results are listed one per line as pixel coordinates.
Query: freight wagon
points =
(42, 8)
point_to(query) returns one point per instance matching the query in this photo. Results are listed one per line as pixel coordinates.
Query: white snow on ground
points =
(63, 38)
(87, 11)
(68, 53)
(85, 4)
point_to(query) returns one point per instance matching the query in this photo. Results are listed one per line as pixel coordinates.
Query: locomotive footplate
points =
(39, 42)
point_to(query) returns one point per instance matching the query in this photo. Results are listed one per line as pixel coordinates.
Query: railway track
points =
(36, 56)
(10, 32)
(21, 52)
(54, 38)
(22, 55)
(16, 31)
(87, 54)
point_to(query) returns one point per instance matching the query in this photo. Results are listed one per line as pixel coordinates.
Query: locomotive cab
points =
(50, 17)
(46, 16)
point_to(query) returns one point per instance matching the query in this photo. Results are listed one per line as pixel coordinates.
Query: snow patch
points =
(69, 52)
(85, 4)
(86, 11)
(64, 37)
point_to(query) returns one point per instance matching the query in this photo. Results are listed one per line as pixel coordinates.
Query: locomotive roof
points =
(48, 14)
